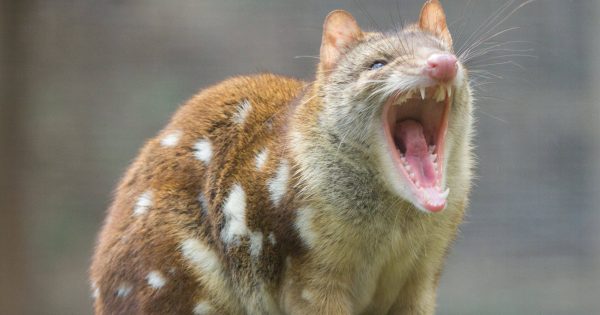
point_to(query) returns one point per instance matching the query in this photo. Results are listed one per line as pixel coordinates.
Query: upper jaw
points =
(415, 123)
(437, 92)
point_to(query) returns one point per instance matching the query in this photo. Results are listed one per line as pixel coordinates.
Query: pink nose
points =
(441, 67)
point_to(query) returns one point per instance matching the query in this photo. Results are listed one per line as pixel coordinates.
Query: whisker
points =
(465, 54)
(482, 28)
(312, 57)
(508, 62)
(492, 116)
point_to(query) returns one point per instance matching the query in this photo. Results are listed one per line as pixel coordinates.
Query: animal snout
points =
(441, 67)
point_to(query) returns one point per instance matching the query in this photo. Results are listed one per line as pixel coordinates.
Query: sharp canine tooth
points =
(422, 93)
(449, 91)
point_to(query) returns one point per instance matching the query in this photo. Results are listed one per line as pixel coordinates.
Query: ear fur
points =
(433, 20)
(340, 30)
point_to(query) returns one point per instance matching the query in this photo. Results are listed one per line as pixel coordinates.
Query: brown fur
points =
(337, 241)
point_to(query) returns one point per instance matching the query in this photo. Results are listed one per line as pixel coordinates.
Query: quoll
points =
(268, 195)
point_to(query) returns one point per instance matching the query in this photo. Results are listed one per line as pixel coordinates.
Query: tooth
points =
(434, 158)
(422, 93)
(408, 168)
(449, 91)
(440, 94)
(403, 99)
(445, 193)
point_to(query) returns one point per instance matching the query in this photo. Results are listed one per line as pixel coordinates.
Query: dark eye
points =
(377, 64)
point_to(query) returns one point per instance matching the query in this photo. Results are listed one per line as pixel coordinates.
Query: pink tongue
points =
(410, 133)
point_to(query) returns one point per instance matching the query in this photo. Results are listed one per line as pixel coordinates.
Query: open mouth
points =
(415, 123)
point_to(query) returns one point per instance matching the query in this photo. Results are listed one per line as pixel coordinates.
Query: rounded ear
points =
(433, 20)
(340, 30)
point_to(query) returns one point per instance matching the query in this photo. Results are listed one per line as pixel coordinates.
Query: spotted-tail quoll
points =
(269, 195)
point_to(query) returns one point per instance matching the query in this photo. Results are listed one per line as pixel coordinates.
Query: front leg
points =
(418, 295)
(310, 287)
(325, 297)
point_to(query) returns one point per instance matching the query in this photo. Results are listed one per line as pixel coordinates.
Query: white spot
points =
(156, 279)
(261, 158)
(256, 239)
(203, 150)
(200, 255)
(203, 308)
(234, 211)
(203, 204)
(171, 139)
(272, 239)
(143, 203)
(278, 184)
(307, 295)
(207, 267)
(123, 290)
(243, 110)
(304, 226)
(95, 291)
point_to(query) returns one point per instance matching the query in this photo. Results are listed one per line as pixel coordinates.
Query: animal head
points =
(397, 101)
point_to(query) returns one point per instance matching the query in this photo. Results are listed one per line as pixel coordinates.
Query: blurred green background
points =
(84, 83)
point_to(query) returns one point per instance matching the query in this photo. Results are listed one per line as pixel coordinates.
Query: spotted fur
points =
(264, 195)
